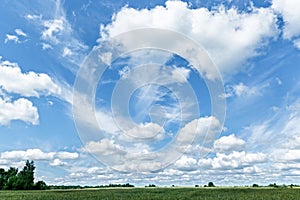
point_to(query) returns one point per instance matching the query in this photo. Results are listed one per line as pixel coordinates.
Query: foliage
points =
(211, 184)
(151, 185)
(23, 180)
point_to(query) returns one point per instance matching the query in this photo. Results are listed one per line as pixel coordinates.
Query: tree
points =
(211, 184)
(2, 178)
(10, 178)
(26, 177)
(40, 185)
(24, 180)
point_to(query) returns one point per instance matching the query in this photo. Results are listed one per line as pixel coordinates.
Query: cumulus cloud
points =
(146, 130)
(291, 16)
(20, 109)
(233, 160)
(37, 154)
(229, 143)
(186, 163)
(104, 147)
(230, 36)
(54, 158)
(64, 155)
(13, 80)
(57, 162)
(203, 130)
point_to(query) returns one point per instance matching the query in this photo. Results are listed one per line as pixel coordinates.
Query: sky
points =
(159, 92)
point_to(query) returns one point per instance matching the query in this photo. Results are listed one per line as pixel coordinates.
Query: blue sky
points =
(89, 112)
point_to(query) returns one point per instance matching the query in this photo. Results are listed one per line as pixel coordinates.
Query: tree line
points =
(13, 179)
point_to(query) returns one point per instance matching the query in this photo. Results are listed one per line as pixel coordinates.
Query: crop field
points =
(157, 193)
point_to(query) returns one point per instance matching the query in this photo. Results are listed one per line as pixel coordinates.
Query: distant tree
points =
(151, 185)
(255, 185)
(273, 185)
(40, 185)
(211, 184)
(196, 185)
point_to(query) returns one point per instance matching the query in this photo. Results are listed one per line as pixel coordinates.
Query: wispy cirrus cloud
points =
(58, 35)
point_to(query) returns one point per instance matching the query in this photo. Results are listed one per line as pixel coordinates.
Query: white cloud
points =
(240, 90)
(32, 17)
(20, 32)
(186, 163)
(297, 43)
(229, 143)
(204, 130)
(290, 155)
(29, 154)
(57, 34)
(105, 121)
(180, 74)
(146, 131)
(54, 158)
(28, 84)
(229, 36)
(20, 109)
(15, 38)
(233, 160)
(104, 147)
(11, 38)
(57, 162)
(67, 52)
(291, 17)
(52, 28)
(124, 72)
(290, 12)
(46, 46)
(64, 155)
(106, 57)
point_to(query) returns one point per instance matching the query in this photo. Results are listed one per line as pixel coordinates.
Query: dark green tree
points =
(26, 177)
(40, 185)
(2, 178)
(211, 184)
(24, 180)
(10, 178)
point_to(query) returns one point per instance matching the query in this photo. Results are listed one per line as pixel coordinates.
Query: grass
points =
(157, 193)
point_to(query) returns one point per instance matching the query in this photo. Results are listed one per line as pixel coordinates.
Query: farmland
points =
(158, 193)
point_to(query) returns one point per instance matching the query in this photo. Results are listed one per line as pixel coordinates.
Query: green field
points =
(157, 193)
